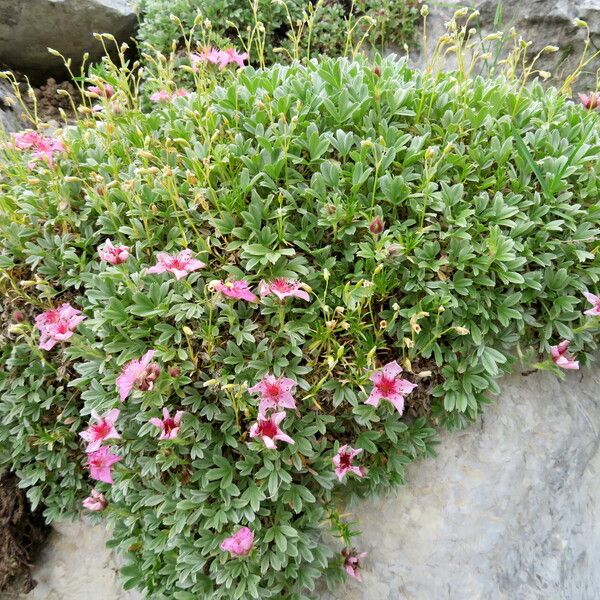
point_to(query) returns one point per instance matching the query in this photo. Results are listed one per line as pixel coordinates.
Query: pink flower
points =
(283, 288)
(388, 386)
(590, 101)
(267, 429)
(103, 429)
(240, 543)
(100, 464)
(138, 374)
(161, 96)
(115, 255)
(57, 325)
(238, 290)
(43, 148)
(275, 392)
(104, 90)
(204, 56)
(95, 501)
(166, 96)
(595, 301)
(231, 55)
(352, 562)
(169, 426)
(562, 358)
(179, 264)
(343, 462)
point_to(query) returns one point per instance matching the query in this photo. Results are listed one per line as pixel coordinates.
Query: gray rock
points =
(10, 111)
(29, 27)
(543, 22)
(550, 22)
(509, 510)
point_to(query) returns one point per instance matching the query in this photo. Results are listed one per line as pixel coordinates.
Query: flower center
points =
(267, 428)
(345, 460)
(387, 386)
(101, 429)
(272, 390)
(281, 285)
(169, 424)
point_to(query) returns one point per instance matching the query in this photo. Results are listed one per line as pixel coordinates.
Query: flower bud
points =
(174, 371)
(376, 226)
(18, 316)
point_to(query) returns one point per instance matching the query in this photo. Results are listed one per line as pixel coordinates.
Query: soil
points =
(22, 534)
(50, 103)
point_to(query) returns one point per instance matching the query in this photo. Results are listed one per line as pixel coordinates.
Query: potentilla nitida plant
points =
(310, 268)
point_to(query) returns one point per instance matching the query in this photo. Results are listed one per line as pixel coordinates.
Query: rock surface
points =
(29, 27)
(509, 510)
(543, 22)
(10, 111)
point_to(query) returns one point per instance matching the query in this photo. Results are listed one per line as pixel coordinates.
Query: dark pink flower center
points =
(177, 263)
(61, 327)
(281, 285)
(98, 462)
(345, 460)
(267, 429)
(101, 429)
(387, 385)
(272, 390)
(169, 424)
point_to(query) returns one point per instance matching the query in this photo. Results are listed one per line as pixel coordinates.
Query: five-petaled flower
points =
(179, 264)
(138, 374)
(240, 543)
(42, 147)
(168, 425)
(591, 100)
(95, 501)
(352, 560)
(275, 393)
(100, 464)
(388, 386)
(114, 255)
(283, 288)
(166, 96)
(102, 429)
(57, 325)
(238, 290)
(343, 461)
(562, 358)
(268, 430)
(595, 302)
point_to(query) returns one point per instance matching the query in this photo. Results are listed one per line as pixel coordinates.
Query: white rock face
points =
(509, 510)
(29, 27)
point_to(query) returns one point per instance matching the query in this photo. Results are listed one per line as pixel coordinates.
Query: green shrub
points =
(450, 224)
(392, 23)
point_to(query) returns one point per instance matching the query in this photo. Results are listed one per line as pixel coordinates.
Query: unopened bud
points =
(376, 226)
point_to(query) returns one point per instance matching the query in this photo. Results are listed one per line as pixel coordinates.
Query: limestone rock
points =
(29, 27)
(543, 22)
(10, 111)
(509, 509)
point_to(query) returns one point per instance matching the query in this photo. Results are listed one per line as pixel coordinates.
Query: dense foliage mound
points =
(281, 245)
(380, 21)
